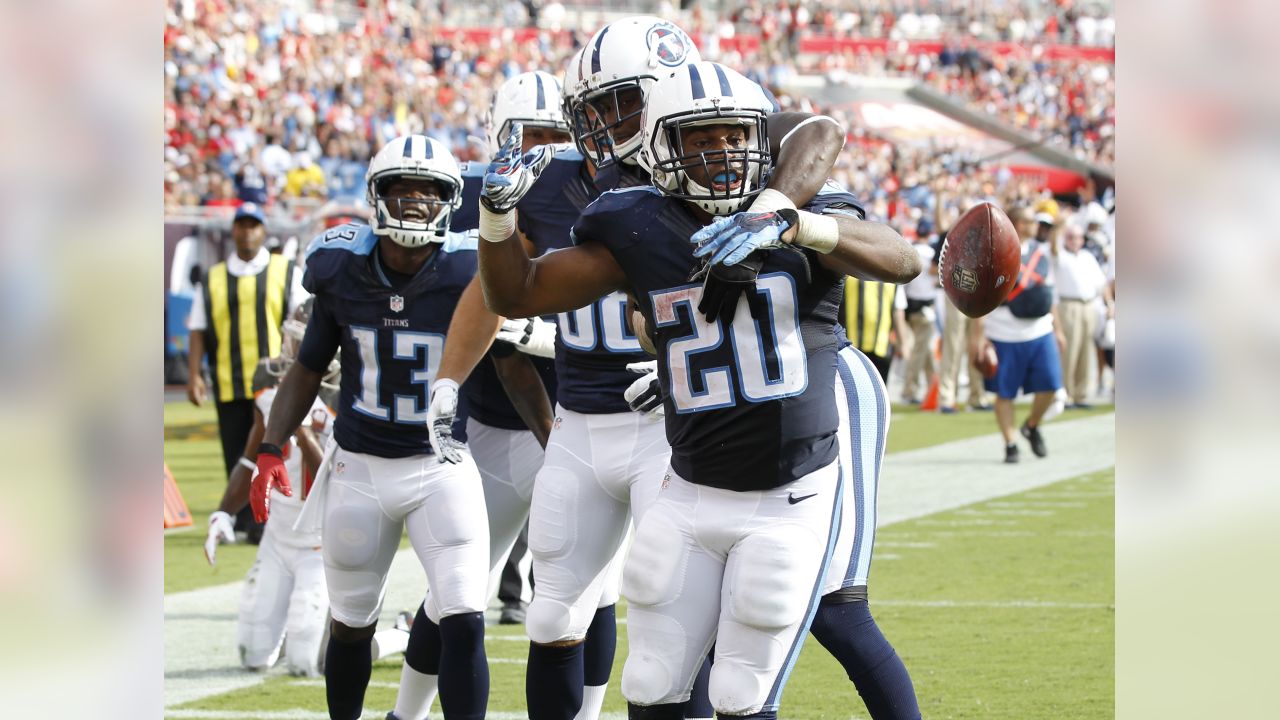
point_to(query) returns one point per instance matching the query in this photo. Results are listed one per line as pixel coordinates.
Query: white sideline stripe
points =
(995, 604)
(200, 626)
(298, 714)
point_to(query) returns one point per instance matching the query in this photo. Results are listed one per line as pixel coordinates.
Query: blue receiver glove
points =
(510, 175)
(728, 240)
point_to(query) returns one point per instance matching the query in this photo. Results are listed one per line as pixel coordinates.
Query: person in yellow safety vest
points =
(871, 309)
(236, 322)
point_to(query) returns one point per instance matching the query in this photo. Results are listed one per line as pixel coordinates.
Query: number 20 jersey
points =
(391, 338)
(748, 406)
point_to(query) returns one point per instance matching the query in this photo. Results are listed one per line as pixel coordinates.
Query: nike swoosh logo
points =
(791, 498)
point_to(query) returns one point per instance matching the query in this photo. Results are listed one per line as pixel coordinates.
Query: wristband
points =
(245, 462)
(496, 227)
(770, 200)
(817, 232)
(270, 449)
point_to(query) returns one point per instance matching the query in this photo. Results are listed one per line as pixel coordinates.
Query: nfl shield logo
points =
(397, 303)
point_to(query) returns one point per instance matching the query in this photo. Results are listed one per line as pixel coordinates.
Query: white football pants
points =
(283, 595)
(370, 499)
(508, 462)
(742, 570)
(599, 471)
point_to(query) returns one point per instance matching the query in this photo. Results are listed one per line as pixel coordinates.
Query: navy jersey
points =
(748, 406)
(487, 398)
(593, 343)
(390, 334)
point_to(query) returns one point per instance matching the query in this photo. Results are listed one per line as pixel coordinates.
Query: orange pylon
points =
(176, 513)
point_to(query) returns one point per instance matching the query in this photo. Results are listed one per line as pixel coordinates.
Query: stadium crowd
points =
(266, 103)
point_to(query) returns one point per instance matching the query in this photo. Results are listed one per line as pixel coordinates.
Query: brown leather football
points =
(980, 259)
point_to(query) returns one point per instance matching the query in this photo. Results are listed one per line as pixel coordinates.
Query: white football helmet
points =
(292, 331)
(701, 94)
(414, 156)
(571, 84)
(531, 98)
(624, 55)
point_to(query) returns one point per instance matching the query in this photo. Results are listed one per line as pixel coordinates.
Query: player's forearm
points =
(505, 274)
(294, 398)
(236, 496)
(872, 251)
(804, 162)
(528, 395)
(470, 334)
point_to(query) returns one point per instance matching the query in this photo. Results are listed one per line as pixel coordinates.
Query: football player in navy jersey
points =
(603, 463)
(734, 551)
(384, 296)
(508, 393)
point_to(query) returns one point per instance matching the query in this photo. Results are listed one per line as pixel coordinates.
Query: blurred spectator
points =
(305, 178)
(1081, 285)
(922, 321)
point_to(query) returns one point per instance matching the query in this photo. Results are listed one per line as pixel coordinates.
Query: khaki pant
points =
(920, 357)
(955, 350)
(1079, 324)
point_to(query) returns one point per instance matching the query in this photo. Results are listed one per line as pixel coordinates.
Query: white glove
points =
(440, 415)
(534, 336)
(222, 528)
(645, 394)
(511, 173)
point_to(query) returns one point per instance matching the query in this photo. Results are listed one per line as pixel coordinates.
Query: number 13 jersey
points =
(748, 404)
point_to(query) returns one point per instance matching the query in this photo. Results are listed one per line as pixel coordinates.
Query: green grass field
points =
(1000, 609)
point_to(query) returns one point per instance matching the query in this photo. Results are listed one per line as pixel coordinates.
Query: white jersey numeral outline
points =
(582, 329)
(748, 337)
(405, 344)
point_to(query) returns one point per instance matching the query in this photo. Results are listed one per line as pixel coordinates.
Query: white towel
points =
(313, 508)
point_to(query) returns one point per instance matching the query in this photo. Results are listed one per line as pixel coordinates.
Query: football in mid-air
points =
(980, 259)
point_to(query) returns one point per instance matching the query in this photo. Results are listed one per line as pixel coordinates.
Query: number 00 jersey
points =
(748, 406)
(391, 335)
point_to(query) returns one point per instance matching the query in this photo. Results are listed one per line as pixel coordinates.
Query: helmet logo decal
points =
(668, 44)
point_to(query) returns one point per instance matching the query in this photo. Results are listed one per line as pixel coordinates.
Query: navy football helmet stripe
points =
(695, 82)
(725, 90)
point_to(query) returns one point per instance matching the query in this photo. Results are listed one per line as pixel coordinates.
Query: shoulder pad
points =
(329, 252)
(611, 214)
(456, 241)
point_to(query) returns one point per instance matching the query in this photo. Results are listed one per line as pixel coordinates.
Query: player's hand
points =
(511, 173)
(440, 416)
(222, 529)
(645, 394)
(197, 393)
(534, 336)
(271, 474)
(728, 240)
(724, 284)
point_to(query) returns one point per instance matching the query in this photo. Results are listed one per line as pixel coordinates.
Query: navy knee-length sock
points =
(851, 635)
